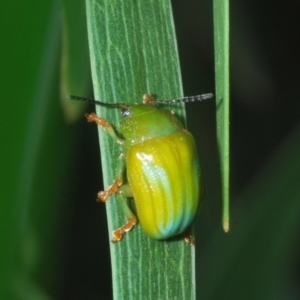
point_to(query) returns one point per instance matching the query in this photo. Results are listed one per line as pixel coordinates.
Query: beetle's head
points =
(136, 109)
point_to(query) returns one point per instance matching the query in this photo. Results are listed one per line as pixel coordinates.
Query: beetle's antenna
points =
(186, 99)
(93, 101)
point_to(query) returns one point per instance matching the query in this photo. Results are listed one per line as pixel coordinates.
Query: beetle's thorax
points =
(143, 122)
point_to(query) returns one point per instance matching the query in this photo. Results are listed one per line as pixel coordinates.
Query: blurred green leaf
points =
(75, 63)
(35, 158)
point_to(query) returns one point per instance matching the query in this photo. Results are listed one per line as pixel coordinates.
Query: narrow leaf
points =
(133, 51)
(221, 34)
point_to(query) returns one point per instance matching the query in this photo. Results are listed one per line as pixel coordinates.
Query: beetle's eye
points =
(125, 112)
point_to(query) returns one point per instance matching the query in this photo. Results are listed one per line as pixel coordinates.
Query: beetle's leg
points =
(117, 183)
(124, 192)
(92, 117)
(103, 195)
(148, 98)
(189, 237)
(117, 186)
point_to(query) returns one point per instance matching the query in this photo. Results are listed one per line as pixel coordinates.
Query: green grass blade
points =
(36, 156)
(133, 51)
(221, 34)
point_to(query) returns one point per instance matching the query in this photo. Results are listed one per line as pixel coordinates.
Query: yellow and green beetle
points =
(162, 167)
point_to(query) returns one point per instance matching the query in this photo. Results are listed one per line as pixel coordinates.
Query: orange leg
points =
(124, 192)
(117, 183)
(118, 233)
(117, 186)
(103, 195)
(92, 117)
(189, 237)
(149, 99)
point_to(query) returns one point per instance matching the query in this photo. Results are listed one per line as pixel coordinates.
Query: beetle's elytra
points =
(162, 168)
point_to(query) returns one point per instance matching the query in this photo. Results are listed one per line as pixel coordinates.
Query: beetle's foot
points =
(118, 234)
(149, 99)
(190, 239)
(102, 196)
(92, 117)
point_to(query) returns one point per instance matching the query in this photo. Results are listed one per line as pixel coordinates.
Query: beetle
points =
(162, 167)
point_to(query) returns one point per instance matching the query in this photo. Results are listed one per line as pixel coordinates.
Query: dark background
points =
(55, 240)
